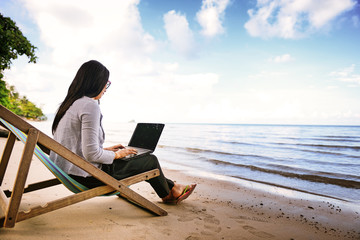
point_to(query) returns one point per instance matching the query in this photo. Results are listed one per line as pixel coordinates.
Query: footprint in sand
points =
(191, 237)
(212, 228)
(210, 223)
(257, 233)
(186, 218)
(212, 220)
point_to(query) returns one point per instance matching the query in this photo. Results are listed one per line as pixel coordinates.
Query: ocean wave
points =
(337, 164)
(324, 146)
(319, 151)
(326, 139)
(357, 148)
(238, 143)
(324, 152)
(337, 140)
(308, 177)
(341, 136)
(317, 173)
(343, 155)
(199, 150)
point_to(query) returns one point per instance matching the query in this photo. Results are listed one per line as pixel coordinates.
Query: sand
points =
(219, 208)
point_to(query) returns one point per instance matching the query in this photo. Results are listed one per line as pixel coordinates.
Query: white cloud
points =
(86, 28)
(211, 15)
(355, 78)
(73, 32)
(178, 32)
(293, 19)
(282, 58)
(347, 75)
(345, 72)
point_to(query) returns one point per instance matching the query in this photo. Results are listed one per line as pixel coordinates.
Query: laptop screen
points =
(146, 135)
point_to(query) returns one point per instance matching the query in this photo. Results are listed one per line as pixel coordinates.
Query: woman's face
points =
(103, 91)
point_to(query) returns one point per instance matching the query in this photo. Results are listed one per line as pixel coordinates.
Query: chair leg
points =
(6, 155)
(22, 174)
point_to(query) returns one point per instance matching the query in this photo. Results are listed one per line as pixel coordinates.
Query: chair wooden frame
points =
(9, 206)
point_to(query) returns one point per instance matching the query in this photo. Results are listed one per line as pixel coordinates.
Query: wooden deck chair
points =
(40, 145)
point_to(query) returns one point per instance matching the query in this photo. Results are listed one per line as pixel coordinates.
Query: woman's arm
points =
(91, 140)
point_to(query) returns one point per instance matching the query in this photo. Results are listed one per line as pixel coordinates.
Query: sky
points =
(197, 61)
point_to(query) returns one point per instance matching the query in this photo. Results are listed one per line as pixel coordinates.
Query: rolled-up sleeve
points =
(92, 135)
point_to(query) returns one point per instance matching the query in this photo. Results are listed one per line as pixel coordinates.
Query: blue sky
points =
(213, 61)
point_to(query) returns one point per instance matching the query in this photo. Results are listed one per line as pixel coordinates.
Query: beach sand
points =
(218, 209)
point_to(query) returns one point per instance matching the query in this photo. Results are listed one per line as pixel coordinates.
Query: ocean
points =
(321, 160)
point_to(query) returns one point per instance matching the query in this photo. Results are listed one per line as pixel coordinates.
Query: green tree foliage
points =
(20, 105)
(4, 94)
(23, 107)
(13, 44)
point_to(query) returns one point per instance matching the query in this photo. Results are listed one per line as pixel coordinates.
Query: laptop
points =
(145, 138)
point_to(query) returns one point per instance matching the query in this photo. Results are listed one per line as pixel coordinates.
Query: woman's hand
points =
(114, 148)
(121, 153)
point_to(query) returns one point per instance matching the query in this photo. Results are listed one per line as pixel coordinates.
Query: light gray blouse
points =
(80, 130)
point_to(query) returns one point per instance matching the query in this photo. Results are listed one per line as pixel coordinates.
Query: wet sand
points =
(218, 209)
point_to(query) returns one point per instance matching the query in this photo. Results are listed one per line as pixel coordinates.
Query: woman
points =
(77, 126)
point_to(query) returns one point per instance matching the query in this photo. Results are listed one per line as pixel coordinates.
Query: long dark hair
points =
(89, 81)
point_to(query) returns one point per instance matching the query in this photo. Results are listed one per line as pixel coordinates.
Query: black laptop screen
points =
(146, 135)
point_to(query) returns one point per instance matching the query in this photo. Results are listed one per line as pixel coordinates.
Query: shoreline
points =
(276, 188)
(218, 209)
(265, 185)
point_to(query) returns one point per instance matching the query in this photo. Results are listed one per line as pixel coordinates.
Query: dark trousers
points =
(121, 169)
